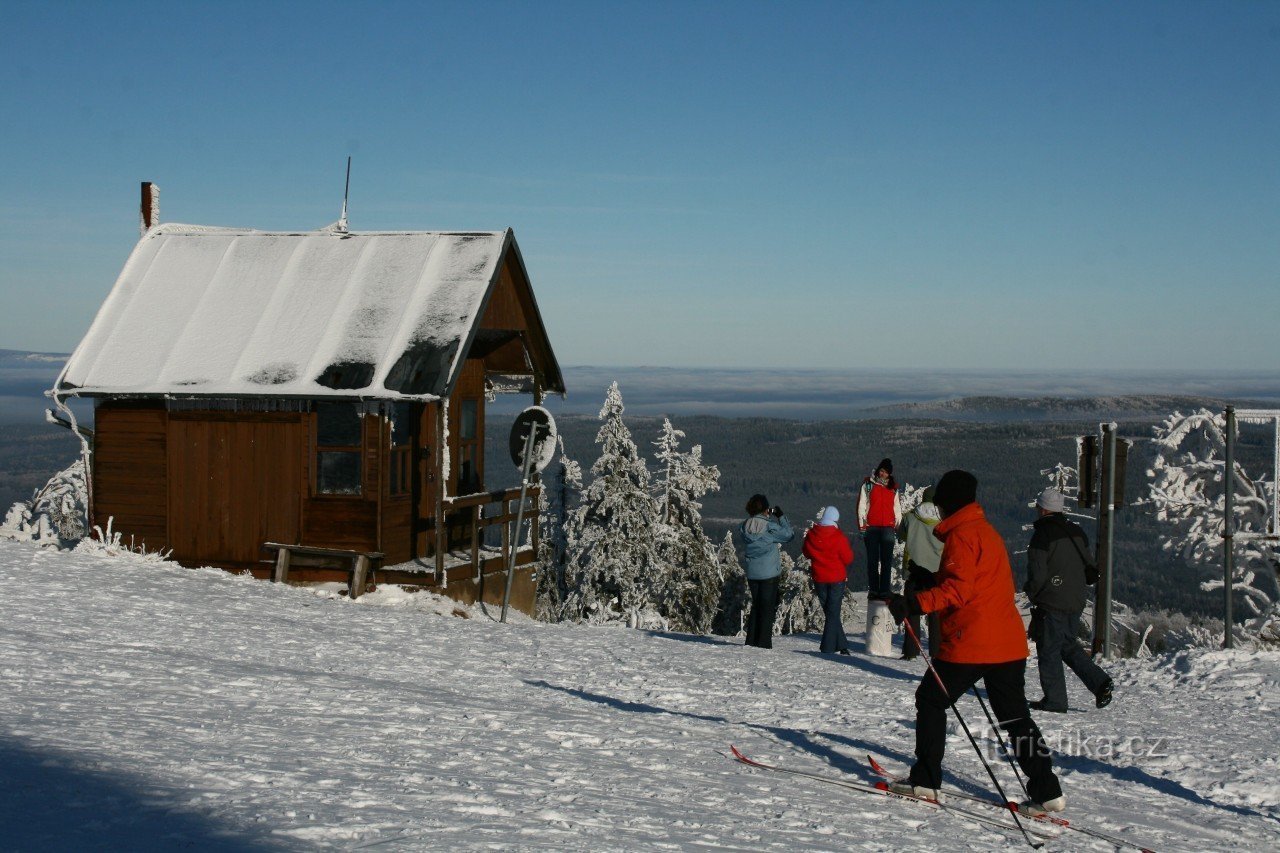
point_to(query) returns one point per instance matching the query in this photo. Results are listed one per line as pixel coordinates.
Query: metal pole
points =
(1229, 524)
(515, 540)
(1109, 439)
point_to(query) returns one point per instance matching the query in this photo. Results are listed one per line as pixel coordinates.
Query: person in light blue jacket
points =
(763, 534)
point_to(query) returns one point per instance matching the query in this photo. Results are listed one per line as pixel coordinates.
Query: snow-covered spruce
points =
(735, 599)
(690, 590)
(613, 563)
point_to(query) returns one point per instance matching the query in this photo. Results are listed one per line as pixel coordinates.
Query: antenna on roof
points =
(342, 220)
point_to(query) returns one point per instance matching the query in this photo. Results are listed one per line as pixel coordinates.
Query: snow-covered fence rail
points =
(481, 518)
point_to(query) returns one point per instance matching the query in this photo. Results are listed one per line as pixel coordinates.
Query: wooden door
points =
(234, 483)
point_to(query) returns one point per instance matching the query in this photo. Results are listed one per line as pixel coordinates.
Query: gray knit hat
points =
(1051, 500)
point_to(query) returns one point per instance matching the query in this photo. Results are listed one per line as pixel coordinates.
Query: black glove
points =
(902, 607)
(1036, 629)
(922, 578)
(777, 512)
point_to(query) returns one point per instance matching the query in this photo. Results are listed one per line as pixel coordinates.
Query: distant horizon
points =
(904, 370)
(806, 393)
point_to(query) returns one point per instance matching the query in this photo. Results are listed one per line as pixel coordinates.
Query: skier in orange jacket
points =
(983, 638)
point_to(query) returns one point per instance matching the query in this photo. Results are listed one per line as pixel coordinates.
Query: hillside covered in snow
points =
(146, 706)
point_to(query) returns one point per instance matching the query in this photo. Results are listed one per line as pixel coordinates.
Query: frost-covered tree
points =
(909, 496)
(735, 598)
(561, 492)
(798, 607)
(56, 512)
(613, 563)
(691, 583)
(1188, 491)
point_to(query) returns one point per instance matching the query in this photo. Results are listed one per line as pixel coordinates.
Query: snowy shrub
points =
(1188, 492)
(55, 515)
(109, 543)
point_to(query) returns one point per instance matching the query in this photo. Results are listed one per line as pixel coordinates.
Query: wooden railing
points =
(509, 502)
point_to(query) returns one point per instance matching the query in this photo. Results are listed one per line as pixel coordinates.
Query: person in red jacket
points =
(879, 514)
(829, 552)
(982, 639)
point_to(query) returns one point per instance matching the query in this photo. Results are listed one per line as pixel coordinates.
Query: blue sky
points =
(839, 185)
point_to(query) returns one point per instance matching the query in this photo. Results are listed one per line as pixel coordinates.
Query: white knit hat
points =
(1051, 500)
(830, 515)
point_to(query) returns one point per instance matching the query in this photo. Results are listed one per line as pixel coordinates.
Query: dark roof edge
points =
(555, 379)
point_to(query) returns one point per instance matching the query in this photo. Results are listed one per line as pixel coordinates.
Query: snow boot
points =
(1034, 809)
(1103, 697)
(1041, 705)
(906, 788)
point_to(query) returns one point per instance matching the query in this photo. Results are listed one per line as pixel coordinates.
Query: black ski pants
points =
(1009, 704)
(764, 608)
(1056, 644)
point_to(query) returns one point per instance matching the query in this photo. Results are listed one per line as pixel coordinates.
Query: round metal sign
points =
(544, 440)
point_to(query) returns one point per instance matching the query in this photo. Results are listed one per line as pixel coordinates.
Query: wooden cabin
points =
(321, 390)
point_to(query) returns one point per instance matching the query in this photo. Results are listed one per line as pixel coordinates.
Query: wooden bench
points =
(359, 562)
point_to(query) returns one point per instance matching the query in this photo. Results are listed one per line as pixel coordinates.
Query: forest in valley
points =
(804, 466)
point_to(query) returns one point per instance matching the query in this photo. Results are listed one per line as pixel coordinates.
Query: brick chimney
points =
(150, 206)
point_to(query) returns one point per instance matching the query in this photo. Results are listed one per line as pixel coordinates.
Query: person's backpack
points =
(1090, 567)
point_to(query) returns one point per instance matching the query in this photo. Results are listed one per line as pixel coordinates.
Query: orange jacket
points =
(974, 595)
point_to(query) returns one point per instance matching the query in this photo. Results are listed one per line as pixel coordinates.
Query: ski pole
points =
(1017, 773)
(1017, 818)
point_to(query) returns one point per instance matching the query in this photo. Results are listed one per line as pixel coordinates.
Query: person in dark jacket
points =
(982, 639)
(763, 534)
(879, 514)
(1057, 578)
(829, 553)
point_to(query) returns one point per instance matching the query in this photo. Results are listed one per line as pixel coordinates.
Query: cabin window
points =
(338, 450)
(402, 421)
(468, 446)
(467, 427)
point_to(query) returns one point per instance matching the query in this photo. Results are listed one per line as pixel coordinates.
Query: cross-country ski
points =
(1053, 820)
(882, 789)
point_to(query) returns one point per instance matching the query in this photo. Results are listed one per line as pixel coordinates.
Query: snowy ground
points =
(154, 707)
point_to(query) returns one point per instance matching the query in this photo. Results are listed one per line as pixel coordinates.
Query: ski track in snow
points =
(149, 707)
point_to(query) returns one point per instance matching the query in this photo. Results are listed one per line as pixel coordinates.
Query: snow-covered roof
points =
(232, 312)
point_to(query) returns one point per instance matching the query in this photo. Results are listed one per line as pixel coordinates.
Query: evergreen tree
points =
(798, 607)
(561, 491)
(691, 588)
(735, 600)
(612, 561)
